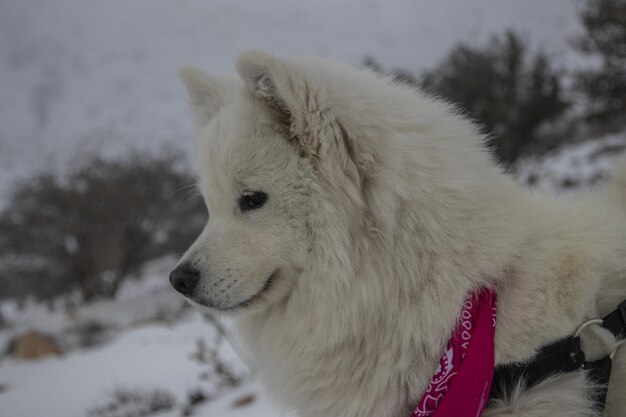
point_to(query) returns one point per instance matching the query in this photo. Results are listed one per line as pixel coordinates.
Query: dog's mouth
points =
(253, 299)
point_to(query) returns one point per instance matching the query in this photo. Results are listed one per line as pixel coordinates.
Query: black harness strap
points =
(566, 355)
(563, 356)
(616, 321)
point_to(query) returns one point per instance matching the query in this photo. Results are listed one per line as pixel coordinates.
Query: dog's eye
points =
(252, 201)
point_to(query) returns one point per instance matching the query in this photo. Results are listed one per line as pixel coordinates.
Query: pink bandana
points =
(460, 387)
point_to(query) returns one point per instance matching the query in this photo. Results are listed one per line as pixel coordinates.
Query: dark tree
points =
(605, 38)
(511, 94)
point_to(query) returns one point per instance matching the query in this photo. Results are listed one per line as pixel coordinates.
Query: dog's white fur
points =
(384, 212)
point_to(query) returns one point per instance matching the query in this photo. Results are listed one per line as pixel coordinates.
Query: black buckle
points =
(615, 322)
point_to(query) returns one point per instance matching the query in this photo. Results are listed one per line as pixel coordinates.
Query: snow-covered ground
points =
(100, 76)
(142, 359)
(155, 342)
(574, 167)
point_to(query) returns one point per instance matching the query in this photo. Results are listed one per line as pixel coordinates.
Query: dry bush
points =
(95, 226)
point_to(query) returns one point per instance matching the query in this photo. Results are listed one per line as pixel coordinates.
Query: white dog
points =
(351, 216)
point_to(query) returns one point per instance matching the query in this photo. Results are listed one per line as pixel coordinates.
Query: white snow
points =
(573, 167)
(153, 346)
(147, 357)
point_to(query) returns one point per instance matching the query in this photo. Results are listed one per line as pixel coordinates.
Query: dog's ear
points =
(286, 92)
(207, 94)
(266, 78)
(299, 100)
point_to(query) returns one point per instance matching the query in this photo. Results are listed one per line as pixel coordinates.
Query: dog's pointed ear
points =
(299, 100)
(207, 94)
(279, 86)
(260, 72)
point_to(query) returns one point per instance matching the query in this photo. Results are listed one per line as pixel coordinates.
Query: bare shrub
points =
(95, 226)
(124, 402)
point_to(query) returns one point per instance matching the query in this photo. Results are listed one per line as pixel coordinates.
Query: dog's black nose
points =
(184, 278)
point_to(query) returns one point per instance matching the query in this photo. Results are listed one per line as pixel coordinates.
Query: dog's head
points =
(261, 140)
(304, 165)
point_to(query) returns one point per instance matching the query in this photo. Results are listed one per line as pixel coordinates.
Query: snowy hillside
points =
(100, 76)
(145, 349)
(140, 360)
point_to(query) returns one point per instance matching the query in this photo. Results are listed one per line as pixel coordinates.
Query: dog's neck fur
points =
(347, 312)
